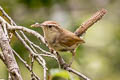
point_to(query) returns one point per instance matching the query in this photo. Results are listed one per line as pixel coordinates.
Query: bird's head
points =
(48, 26)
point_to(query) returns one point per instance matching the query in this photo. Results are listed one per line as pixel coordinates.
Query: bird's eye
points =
(50, 26)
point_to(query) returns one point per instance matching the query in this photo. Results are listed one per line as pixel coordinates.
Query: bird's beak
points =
(37, 25)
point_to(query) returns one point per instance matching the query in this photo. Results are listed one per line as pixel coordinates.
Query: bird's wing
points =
(68, 39)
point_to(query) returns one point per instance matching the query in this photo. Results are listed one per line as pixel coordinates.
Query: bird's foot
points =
(51, 50)
(64, 66)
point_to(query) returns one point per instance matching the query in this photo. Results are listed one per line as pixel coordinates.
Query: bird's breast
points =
(53, 39)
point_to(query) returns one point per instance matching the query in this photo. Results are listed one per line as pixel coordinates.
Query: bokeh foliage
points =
(98, 58)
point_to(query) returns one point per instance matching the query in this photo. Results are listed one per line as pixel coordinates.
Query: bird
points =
(58, 38)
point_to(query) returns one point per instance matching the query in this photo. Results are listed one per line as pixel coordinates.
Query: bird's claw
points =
(64, 66)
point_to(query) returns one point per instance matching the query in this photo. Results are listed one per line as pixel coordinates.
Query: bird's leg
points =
(73, 55)
(51, 50)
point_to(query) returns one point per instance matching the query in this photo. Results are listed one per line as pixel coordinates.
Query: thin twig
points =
(32, 61)
(77, 73)
(65, 67)
(38, 58)
(27, 30)
(6, 15)
(5, 31)
(32, 56)
(26, 65)
(8, 19)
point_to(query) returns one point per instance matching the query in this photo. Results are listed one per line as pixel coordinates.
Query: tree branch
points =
(9, 57)
(39, 59)
(2, 57)
(11, 25)
(87, 24)
(58, 57)
(28, 31)
(26, 65)
(67, 68)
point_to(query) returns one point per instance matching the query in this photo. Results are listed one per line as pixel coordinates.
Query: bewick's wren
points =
(58, 38)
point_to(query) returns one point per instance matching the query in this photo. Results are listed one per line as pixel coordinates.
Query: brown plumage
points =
(58, 38)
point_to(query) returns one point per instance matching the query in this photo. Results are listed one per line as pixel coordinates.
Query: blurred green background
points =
(98, 58)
